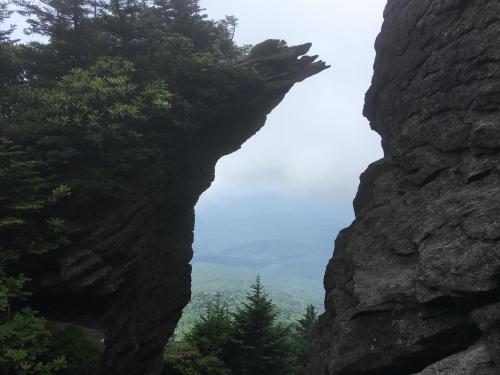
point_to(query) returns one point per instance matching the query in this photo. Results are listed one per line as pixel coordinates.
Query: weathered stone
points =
(128, 273)
(414, 282)
(473, 361)
(487, 317)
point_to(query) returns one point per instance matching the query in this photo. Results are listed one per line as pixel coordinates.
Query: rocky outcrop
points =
(128, 271)
(414, 283)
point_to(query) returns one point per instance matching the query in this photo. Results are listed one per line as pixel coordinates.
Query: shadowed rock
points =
(128, 271)
(414, 283)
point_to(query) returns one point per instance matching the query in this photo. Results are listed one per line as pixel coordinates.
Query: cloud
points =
(316, 143)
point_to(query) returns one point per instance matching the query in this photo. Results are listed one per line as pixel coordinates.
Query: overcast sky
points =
(316, 143)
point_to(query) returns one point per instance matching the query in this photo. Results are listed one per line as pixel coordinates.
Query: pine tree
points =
(24, 337)
(229, 24)
(204, 346)
(7, 65)
(210, 334)
(261, 344)
(190, 21)
(5, 13)
(50, 17)
(68, 25)
(304, 329)
(124, 26)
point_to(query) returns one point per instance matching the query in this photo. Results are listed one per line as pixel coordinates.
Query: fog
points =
(316, 143)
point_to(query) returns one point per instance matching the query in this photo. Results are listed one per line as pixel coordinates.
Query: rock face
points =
(414, 283)
(128, 273)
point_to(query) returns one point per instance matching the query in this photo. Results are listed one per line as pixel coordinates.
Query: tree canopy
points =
(261, 344)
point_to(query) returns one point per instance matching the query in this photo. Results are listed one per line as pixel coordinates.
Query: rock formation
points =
(414, 283)
(128, 273)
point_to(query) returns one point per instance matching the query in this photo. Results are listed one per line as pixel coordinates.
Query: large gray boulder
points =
(414, 283)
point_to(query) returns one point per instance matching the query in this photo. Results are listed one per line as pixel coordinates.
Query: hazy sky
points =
(316, 143)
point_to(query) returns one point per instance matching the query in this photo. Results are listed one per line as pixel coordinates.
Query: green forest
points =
(232, 285)
(80, 113)
(252, 339)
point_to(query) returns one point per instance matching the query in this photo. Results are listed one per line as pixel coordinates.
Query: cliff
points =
(413, 285)
(127, 270)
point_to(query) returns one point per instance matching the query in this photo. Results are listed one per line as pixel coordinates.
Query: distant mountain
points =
(274, 257)
(226, 222)
(286, 238)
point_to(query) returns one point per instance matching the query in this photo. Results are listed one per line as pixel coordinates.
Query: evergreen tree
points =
(261, 344)
(193, 363)
(5, 13)
(70, 28)
(124, 25)
(304, 329)
(250, 341)
(188, 20)
(229, 24)
(7, 58)
(156, 35)
(55, 17)
(24, 337)
(210, 335)
(202, 348)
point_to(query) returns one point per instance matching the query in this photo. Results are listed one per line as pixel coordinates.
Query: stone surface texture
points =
(414, 283)
(128, 274)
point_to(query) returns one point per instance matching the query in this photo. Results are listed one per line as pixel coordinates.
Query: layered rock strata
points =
(128, 273)
(414, 283)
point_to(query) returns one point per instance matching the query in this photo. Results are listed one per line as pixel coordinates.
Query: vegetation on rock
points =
(79, 115)
(25, 342)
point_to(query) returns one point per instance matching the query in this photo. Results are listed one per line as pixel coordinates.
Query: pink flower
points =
(185, 355)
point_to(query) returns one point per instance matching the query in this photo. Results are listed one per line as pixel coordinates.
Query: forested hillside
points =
(232, 284)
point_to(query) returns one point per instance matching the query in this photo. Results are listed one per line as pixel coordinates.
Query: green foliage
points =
(144, 32)
(11, 288)
(82, 354)
(28, 348)
(261, 344)
(304, 330)
(211, 334)
(193, 363)
(205, 344)
(252, 340)
(25, 345)
(5, 13)
(290, 294)
(229, 24)
(24, 337)
(92, 120)
(26, 198)
(98, 107)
